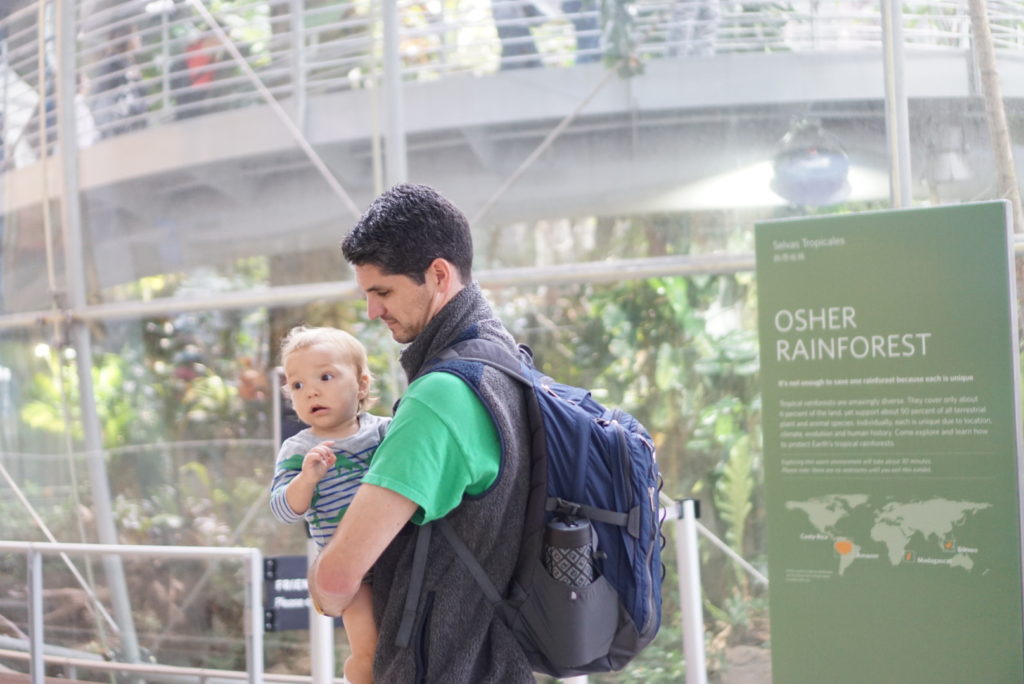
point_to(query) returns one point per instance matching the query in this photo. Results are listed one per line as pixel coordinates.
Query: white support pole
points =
(396, 166)
(298, 62)
(321, 636)
(165, 67)
(254, 617)
(34, 568)
(897, 119)
(690, 595)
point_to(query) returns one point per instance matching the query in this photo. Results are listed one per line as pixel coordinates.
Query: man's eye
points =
(326, 376)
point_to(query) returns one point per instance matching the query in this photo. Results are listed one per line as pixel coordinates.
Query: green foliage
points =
(247, 22)
(44, 412)
(734, 492)
(56, 390)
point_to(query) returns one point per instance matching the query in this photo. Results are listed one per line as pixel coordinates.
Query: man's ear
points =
(444, 274)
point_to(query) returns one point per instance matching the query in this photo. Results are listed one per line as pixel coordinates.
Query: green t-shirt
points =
(440, 446)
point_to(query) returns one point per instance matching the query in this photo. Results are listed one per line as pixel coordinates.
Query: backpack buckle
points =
(568, 508)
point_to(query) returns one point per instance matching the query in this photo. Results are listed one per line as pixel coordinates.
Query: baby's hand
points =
(319, 460)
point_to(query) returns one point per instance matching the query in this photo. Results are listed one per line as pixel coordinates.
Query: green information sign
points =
(891, 439)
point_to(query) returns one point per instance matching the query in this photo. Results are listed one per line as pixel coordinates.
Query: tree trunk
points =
(999, 132)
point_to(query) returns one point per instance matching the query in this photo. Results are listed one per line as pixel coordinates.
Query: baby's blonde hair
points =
(301, 336)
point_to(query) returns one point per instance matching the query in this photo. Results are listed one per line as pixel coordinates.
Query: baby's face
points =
(325, 389)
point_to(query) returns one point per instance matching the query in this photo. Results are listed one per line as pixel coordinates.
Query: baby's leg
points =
(362, 637)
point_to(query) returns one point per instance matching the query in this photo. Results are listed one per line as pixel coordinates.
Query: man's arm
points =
(372, 521)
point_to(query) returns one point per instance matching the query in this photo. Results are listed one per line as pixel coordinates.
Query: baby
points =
(319, 469)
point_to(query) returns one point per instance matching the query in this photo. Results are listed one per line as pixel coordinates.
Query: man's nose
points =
(373, 309)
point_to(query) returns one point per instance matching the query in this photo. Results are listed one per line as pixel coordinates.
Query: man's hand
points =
(330, 605)
(373, 519)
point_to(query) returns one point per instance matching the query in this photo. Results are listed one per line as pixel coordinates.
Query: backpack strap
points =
(419, 571)
(469, 559)
(563, 507)
(491, 354)
(412, 594)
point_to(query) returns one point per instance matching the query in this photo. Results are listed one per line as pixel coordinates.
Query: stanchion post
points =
(254, 617)
(321, 635)
(690, 594)
(37, 668)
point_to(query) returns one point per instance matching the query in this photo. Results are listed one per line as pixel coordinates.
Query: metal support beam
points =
(75, 283)
(298, 62)
(396, 168)
(897, 120)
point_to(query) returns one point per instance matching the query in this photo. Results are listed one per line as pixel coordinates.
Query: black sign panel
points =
(285, 594)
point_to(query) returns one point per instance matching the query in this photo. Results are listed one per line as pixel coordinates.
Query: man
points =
(456, 449)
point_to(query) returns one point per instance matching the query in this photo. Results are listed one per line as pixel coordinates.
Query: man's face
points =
(405, 306)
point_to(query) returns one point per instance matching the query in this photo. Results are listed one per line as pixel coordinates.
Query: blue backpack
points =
(591, 467)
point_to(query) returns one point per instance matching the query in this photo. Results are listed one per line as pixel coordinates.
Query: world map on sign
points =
(928, 532)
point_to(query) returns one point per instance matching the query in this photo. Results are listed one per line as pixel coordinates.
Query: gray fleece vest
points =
(455, 639)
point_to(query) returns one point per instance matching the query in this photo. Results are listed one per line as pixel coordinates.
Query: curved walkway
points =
(695, 130)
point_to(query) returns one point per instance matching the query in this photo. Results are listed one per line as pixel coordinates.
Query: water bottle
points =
(568, 551)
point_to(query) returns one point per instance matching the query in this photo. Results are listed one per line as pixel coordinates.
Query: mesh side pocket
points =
(571, 626)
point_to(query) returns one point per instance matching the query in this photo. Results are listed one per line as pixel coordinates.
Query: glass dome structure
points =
(177, 175)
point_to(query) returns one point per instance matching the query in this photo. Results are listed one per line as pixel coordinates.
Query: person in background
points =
(693, 28)
(513, 20)
(194, 72)
(119, 104)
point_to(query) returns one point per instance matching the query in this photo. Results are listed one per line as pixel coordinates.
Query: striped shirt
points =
(334, 492)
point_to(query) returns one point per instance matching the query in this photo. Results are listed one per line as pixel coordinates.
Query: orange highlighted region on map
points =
(843, 547)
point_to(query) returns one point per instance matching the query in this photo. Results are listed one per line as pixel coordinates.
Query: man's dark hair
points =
(405, 229)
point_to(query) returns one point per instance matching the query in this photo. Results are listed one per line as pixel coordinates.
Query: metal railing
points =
(252, 560)
(152, 672)
(145, 64)
(684, 514)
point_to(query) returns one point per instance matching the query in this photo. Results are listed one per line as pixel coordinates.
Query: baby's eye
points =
(327, 376)
(296, 385)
